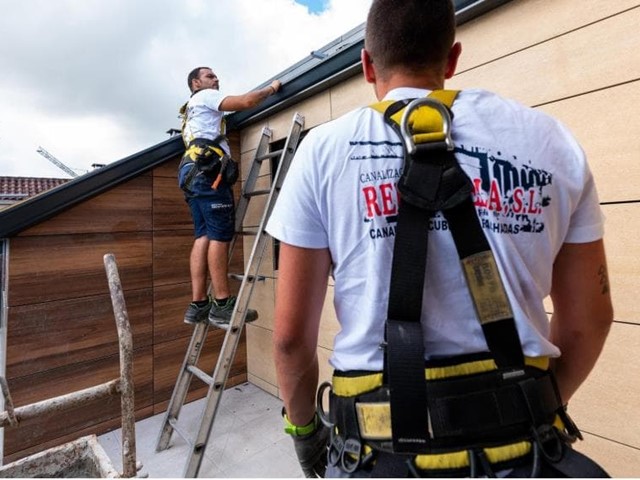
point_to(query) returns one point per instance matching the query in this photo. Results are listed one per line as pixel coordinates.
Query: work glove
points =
(311, 448)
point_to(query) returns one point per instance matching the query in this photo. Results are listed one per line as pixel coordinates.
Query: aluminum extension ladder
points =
(232, 338)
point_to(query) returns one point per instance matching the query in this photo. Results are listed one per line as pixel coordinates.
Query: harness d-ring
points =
(435, 104)
(322, 415)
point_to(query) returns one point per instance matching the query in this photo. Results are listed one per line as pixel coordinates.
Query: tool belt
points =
(500, 414)
(206, 157)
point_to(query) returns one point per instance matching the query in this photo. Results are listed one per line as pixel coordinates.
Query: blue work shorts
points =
(213, 216)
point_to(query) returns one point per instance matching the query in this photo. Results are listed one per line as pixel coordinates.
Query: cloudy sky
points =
(94, 81)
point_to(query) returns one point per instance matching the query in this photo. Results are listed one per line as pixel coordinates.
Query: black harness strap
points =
(432, 181)
(500, 329)
(404, 355)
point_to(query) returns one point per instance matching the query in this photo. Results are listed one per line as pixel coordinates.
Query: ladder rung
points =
(248, 232)
(200, 374)
(275, 153)
(255, 193)
(174, 424)
(250, 278)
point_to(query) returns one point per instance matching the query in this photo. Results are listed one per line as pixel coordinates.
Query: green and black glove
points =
(311, 442)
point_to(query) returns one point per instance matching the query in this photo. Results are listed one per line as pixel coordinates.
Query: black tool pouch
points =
(231, 171)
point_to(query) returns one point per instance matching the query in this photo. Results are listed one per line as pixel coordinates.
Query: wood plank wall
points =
(577, 60)
(61, 334)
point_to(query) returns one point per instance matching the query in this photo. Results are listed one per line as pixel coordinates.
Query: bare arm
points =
(234, 103)
(582, 312)
(302, 285)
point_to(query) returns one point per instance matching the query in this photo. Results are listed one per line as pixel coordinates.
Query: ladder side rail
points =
(232, 338)
(220, 376)
(252, 177)
(181, 388)
(289, 150)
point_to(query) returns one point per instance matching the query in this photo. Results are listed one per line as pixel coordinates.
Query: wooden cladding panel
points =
(607, 403)
(171, 250)
(623, 259)
(126, 208)
(71, 266)
(519, 25)
(169, 305)
(619, 461)
(260, 363)
(57, 334)
(578, 62)
(49, 384)
(608, 128)
(352, 93)
(97, 429)
(168, 358)
(170, 210)
(168, 169)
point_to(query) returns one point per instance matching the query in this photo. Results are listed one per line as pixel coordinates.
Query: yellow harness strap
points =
(351, 386)
(196, 152)
(423, 120)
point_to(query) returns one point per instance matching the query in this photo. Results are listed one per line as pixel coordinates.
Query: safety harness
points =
(205, 157)
(469, 415)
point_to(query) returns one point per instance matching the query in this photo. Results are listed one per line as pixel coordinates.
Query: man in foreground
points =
(534, 201)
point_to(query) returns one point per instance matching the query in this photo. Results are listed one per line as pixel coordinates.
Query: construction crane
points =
(56, 162)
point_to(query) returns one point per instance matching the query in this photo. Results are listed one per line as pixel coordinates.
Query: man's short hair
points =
(193, 74)
(410, 34)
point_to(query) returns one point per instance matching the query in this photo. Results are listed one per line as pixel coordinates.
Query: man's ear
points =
(452, 60)
(367, 67)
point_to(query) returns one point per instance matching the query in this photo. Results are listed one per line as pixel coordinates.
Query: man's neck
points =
(399, 80)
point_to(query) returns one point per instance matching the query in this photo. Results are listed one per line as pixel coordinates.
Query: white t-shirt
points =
(533, 192)
(204, 119)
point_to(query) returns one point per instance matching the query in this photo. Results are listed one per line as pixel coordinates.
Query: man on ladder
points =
(446, 367)
(206, 175)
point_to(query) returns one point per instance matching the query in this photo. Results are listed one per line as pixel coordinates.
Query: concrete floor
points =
(247, 440)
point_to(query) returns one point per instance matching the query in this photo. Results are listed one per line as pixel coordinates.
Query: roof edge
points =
(39, 208)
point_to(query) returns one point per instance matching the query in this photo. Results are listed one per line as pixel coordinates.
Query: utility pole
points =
(56, 162)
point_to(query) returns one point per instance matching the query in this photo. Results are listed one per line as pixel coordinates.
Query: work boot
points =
(220, 314)
(196, 314)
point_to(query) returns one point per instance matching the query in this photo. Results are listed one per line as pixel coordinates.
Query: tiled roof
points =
(19, 188)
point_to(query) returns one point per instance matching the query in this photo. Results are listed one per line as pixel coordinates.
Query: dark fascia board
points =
(36, 209)
(332, 64)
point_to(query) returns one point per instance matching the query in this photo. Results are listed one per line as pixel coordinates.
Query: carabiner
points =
(351, 455)
(336, 447)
